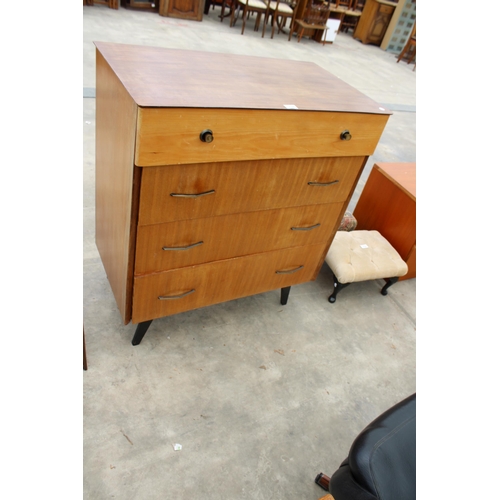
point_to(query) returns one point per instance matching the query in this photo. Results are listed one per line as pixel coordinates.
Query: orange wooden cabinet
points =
(215, 181)
(388, 204)
(147, 5)
(182, 9)
(374, 21)
(112, 4)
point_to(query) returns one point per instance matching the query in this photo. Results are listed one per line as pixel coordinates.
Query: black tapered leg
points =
(323, 481)
(84, 351)
(140, 331)
(285, 292)
(337, 286)
(389, 282)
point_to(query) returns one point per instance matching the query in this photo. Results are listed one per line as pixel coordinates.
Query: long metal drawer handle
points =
(195, 195)
(323, 183)
(184, 248)
(290, 271)
(305, 228)
(172, 297)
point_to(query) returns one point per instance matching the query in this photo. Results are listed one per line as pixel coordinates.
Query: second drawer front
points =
(172, 292)
(204, 190)
(162, 247)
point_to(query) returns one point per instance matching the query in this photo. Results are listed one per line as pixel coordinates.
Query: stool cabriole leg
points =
(337, 286)
(140, 331)
(285, 292)
(389, 282)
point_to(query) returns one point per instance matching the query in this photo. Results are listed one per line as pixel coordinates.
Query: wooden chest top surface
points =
(159, 77)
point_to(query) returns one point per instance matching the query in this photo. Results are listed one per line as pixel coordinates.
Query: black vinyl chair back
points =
(382, 460)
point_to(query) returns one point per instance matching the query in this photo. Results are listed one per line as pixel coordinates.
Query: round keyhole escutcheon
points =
(206, 135)
(345, 135)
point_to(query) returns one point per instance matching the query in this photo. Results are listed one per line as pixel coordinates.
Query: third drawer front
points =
(161, 247)
(180, 192)
(172, 292)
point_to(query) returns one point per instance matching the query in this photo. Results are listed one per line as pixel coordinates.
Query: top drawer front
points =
(171, 136)
(229, 188)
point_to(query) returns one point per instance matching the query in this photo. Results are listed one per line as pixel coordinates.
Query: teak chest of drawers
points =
(219, 176)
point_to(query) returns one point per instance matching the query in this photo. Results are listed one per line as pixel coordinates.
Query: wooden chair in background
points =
(219, 3)
(352, 15)
(213, 4)
(280, 10)
(315, 18)
(409, 51)
(250, 7)
(338, 9)
(229, 4)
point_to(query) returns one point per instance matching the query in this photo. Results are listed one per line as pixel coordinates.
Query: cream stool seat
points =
(360, 256)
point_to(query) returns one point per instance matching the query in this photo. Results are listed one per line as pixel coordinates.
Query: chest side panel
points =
(116, 115)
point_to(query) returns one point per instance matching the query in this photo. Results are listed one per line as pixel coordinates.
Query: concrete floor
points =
(261, 396)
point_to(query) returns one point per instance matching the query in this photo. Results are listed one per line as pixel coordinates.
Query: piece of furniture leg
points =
(285, 292)
(140, 331)
(389, 282)
(337, 286)
(322, 480)
(84, 352)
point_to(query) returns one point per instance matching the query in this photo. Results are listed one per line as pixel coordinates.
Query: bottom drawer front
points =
(180, 290)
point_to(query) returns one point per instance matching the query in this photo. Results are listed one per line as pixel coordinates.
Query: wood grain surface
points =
(159, 77)
(170, 136)
(403, 174)
(230, 236)
(222, 280)
(243, 187)
(116, 115)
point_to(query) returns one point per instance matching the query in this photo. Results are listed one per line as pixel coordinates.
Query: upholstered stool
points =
(361, 256)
